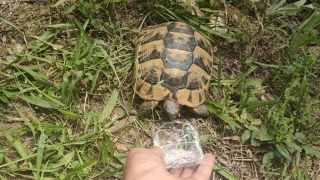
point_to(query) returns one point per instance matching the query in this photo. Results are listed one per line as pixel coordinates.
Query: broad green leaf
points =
(245, 136)
(300, 3)
(314, 140)
(289, 9)
(254, 121)
(267, 159)
(263, 134)
(312, 151)
(283, 150)
(254, 141)
(253, 82)
(274, 8)
(252, 101)
(252, 128)
(301, 137)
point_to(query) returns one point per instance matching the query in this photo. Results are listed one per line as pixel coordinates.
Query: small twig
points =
(247, 160)
(15, 119)
(10, 1)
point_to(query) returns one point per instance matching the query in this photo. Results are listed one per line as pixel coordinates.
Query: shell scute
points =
(173, 61)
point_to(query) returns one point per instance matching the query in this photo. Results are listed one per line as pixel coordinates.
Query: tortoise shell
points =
(173, 61)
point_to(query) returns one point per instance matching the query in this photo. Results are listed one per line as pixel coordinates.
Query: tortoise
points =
(173, 65)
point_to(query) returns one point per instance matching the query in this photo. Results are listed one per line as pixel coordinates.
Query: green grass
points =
(67, 84)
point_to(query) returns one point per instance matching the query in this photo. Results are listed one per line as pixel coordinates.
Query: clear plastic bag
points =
(179, 141)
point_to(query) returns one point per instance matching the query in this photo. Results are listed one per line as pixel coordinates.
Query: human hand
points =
(146, 164)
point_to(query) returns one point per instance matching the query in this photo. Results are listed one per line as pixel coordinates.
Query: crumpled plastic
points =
(179, 141)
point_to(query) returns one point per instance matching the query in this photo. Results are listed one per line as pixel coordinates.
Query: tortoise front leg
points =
(171, 109)
(147, 108)
(201, 111)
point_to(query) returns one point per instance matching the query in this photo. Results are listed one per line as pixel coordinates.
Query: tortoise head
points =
(171, 109)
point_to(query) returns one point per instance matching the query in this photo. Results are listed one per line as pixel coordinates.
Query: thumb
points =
(157, 150)
(204, 170)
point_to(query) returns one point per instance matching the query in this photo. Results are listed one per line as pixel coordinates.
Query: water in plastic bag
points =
(179, 141)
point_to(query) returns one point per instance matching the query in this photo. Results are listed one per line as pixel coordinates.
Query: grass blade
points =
(109, 106)
(36, 101)
(40, 151)
(17, 144)
(26, 121)
(241, 78)
(94, 80)
(225, 117)
(223, 172)
(42, 78)
(107, 57)
(1, 155)
(65, 159)
(264, 103)
(82, 167)
(60, 2)
(303, 88)
(21, 150)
